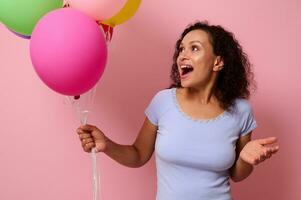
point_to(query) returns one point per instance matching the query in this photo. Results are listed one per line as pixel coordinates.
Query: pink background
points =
(41, 157)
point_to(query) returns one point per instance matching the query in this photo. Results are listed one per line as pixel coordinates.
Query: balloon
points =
(128, 11)
(98, 9)
(21, 16)
(68, 51)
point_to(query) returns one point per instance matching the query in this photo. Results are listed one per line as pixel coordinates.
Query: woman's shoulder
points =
(162, 97)
(164, 93)
(161, 101)
(242, 105)
(166, 90)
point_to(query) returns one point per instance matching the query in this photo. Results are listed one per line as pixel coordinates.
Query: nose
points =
(183, 55)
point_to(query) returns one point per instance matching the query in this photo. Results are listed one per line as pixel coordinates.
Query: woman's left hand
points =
(256, 151)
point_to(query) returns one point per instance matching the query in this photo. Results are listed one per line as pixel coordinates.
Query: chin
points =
(186, 84)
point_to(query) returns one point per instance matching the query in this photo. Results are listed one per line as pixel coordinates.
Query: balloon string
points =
(95, 175)
(83, 116)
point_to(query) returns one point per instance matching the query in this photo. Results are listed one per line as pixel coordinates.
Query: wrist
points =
(107, 145)
(241, 161)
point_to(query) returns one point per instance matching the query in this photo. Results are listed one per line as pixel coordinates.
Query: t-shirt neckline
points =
(178, 107)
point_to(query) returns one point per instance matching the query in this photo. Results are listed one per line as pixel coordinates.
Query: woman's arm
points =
(251, 153)
(241, 170)
(134, 155)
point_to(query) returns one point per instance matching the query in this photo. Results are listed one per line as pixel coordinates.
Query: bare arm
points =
(241, 170)
(134, 155)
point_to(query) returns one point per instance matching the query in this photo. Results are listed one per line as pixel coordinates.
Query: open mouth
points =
(185, 69)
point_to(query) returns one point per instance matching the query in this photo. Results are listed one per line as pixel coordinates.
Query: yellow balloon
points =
(128, 11)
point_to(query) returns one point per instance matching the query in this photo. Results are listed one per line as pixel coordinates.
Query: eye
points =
(194, 48)
(181, 49)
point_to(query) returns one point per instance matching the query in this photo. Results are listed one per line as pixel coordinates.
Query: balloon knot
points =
(108, 30)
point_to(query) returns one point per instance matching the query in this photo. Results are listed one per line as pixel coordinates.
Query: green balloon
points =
(21, 16)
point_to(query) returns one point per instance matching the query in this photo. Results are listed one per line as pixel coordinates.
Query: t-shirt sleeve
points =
(248, 122)
(155, 108)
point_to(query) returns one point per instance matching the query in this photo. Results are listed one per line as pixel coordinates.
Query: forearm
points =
(126, 155)
(240, 170)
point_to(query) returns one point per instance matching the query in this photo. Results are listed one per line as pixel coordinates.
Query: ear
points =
(218, 64)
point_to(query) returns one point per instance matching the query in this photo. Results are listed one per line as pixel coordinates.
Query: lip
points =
(184, 76)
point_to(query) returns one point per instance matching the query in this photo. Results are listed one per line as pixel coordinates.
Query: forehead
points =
(196, 35)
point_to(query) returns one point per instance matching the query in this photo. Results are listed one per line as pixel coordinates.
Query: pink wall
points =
(40, 154)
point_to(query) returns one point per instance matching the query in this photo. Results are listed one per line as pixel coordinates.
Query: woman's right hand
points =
(90, 137)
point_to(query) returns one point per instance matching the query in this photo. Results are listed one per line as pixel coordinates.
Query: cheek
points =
(202, 64)
(202, 73)
(203, 69)
(205, 62)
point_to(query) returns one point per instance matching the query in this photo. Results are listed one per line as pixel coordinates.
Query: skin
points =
(197, 100)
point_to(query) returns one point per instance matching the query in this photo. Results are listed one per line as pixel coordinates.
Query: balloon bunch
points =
(68, 49)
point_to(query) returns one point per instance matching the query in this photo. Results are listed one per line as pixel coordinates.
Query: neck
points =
(202, 94)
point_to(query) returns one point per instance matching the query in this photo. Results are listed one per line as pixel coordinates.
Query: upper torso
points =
(193, 156)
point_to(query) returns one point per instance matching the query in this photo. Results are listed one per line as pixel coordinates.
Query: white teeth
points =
(186, 66)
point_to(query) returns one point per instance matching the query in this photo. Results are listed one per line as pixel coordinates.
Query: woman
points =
(200, 128)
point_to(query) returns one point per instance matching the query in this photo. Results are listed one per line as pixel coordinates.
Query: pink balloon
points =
(68, 51)
(98, 9)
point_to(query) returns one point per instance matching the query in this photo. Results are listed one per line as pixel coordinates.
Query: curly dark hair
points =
(236, 79)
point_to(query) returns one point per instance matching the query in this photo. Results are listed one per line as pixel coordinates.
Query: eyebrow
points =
(194, 41)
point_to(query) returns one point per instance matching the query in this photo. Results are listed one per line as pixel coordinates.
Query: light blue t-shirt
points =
(193, 156)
